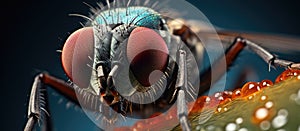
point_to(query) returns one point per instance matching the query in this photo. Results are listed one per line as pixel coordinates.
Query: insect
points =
(112, 39)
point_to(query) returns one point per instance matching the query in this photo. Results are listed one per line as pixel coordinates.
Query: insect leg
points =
(38, 104)
(230, 55)
(269, 58)
(38, 101)
(181, 84)
(232, 52)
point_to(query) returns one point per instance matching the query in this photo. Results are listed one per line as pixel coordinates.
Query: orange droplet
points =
(250, 88)
(265, 83)
(260, 114)
(287, 74)
(223, 97)
(236, 93)
(199, 104)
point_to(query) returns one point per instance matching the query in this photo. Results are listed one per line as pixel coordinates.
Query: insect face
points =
(118, 37)
(133, 59)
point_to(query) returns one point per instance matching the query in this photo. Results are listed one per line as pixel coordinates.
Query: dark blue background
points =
(32, 31)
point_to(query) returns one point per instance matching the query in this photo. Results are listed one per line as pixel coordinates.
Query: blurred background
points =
(33, 30)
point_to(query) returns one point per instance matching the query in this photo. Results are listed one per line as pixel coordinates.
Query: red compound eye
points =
(147, 53)
(75, 53)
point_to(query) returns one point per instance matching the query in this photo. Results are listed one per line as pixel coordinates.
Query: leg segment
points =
(38, 104)
(181, 83)
(230, 55)
(38, 101)
(272, 60)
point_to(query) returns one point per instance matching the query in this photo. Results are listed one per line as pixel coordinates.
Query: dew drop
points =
(281, 130)
(239, 120)
(250, 88)
(263, 98)
(250, 97)
(265, 83)
(200, 103)
(236, 93)
(219, 109)
(269, 104)
(231, 127)
(265, 125)
(293, 97)
(223, 97)
(283, 112)
(217, 94)
(279, 121)
(261, 114)
(243, 129)
(287, 74)
(225, 109)
(297, 100)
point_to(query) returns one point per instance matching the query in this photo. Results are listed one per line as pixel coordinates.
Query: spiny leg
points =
(231, 54)
(181, 83)
(38, 101)
(269, 58)
(38, 104)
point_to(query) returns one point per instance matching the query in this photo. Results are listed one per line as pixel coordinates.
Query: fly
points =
(132, 60)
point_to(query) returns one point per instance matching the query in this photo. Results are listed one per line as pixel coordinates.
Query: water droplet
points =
(261, 114)
(265, 83)
(225, 109)
(243, 129)
(217, 94)
(250, 88)
(269, 104)
(236, 93)
(265, 125)
(250, 97)
(298, 79)
(263, 98)
(223, 97)
(293, 97)
(299, 92)
(219, 109)
(279, 121)
(287, 74)
(231, 127)
(200, 103)
(239, 120)
(283, 112)
(297, 100)
(281, 130)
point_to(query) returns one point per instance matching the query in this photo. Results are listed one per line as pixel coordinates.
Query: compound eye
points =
(148, 54)
(75, 56)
